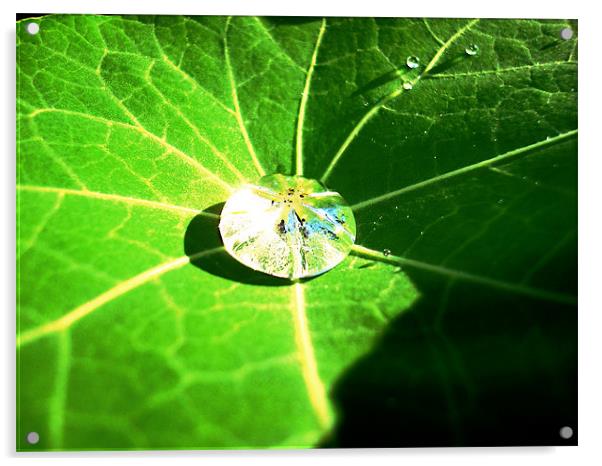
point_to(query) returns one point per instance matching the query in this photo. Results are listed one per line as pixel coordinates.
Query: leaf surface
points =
(136, 329)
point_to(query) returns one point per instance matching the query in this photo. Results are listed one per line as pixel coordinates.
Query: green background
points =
(137, 331)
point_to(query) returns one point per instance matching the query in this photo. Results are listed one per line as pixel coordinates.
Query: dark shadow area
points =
(202, 234)
(463, 367)
(553, 43)
(444, 65)
(380, 81)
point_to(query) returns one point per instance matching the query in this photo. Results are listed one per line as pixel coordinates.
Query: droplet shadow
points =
(202, 235)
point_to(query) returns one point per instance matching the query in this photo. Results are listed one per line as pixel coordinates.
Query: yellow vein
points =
(113, 197)
(458, 274)
(44, 220)
(241, 123)
(468, 168)
(386, 99)
(501, 70)
(432, 33)
(194, 83)
(305, 96)
(66, 321)
(143, 131)
(195, 129)
(315, 387)
(58, 400)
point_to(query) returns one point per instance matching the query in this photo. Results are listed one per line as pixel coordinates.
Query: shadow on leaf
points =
(202, 234)
(464, 367)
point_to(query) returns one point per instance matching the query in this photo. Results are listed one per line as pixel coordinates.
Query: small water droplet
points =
(412, 62)
(500, 201)
(472, 50)
(421, 233)
(396, 207)
(407, 85)
(434, 156)
(408, 216)
(386, 252)
(566, 33)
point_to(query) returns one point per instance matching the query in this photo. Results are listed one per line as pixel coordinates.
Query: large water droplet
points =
(287, 226)
(472, 50)
(412, 62)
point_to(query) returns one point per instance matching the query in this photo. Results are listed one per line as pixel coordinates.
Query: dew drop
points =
(287, 226)
(412, 62)
(386, 252)
(472, 50)
(407, 85)
(500, 201)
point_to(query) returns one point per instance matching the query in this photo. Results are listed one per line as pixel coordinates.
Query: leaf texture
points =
(136, 330)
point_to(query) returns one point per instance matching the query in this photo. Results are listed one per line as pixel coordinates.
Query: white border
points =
(590, 233)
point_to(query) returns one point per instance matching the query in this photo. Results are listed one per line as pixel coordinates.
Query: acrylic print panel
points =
(452, 322)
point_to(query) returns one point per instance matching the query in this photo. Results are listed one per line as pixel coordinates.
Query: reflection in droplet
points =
(472, 50)
(287, 226)
(412, 62)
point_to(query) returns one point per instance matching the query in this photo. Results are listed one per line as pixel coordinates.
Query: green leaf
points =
(136, 329)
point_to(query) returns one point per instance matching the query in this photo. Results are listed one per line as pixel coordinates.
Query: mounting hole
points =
(33, 438)
(566, 432)
(566, 33)
(32, 28)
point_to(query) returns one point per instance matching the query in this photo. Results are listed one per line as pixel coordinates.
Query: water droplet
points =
(472, 50)
(408, 216)
(412, 62)
(500, 201)
(566, 33)
(407, 85)
(386, 252)
(301, 235)
(421, 233)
